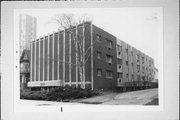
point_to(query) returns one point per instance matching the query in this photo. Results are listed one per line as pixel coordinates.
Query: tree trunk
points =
(81, 75)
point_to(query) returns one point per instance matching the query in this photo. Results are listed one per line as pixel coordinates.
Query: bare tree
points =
(68, 21)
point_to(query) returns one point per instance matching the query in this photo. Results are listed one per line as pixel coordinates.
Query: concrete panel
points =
(66, 56)
(55, 56)
(37, 60)
(32, 62)
(41, 59)
(61, 55)
(50, 56)
(46, 59)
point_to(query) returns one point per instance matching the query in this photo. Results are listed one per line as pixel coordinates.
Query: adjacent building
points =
(110, 63)
(27, 31)
(155, 75)
(24, 69)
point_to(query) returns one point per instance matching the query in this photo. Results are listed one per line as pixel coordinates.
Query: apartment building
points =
(109, 63)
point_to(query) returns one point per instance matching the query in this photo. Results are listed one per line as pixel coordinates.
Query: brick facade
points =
(110, 62)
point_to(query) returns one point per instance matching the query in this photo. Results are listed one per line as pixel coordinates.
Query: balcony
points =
(119, 68)
(119, 55)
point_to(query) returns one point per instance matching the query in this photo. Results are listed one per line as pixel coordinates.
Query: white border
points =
(171, 62)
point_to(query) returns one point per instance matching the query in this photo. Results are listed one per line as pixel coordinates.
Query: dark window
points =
(126, 50)
(142, 60)
(138, 67)
(109, 74)
(127, 75)
(109, 59)
(109, 43)
(132, 53)
(127, 63)
(99, 72)
(120, 75)
(119, 48)
(99, 55)
(98, 37)
(137, 57)
(132, 76)
(119, 53)
(119, 61)
(120, 66)
(143, 69)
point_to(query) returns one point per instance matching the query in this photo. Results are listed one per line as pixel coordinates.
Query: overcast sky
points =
(139, 27)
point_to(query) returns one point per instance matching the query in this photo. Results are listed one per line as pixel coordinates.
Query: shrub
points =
(33, 95)
(59, 94)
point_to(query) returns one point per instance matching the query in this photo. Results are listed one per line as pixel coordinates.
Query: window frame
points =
(109, 74)
(109, 57)
(98, 38)
(99, 70)
(99, 55)
(110, 45)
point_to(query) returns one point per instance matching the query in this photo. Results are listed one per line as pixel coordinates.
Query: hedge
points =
(58, 94)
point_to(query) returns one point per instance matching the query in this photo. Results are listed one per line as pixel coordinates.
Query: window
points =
(119, 53)
(137, 61)
(119, 66)
(109, 74)
(108, 43)
(99, 55)
(109, 59)
(132, 53)
(132, 76)
(119, 61)
(132, 64)
(98, 37)
(119, 75)
(127, 75)
(99, 72)
(119, 48)
(126, 50)
(127, 63)
(142, 60)
(137, 57)
(143, 69)
(138, 67)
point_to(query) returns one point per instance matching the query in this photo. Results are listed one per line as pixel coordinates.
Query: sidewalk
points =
(128, 98)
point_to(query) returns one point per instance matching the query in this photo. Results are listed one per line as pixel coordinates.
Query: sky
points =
(140, 27)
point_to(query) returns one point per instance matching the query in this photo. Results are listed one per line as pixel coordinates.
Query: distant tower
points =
(27, 31)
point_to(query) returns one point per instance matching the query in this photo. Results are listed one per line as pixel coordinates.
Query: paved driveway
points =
(129, 98)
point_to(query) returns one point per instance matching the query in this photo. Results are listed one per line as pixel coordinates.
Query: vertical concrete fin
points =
(76, 58)
(92, 77)
(43, 57)
(39, 59)
(70, 58)
(31, 43)
(48, 59)
(83, 55)
(64, 57)
(35, 62)
(58, 59)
